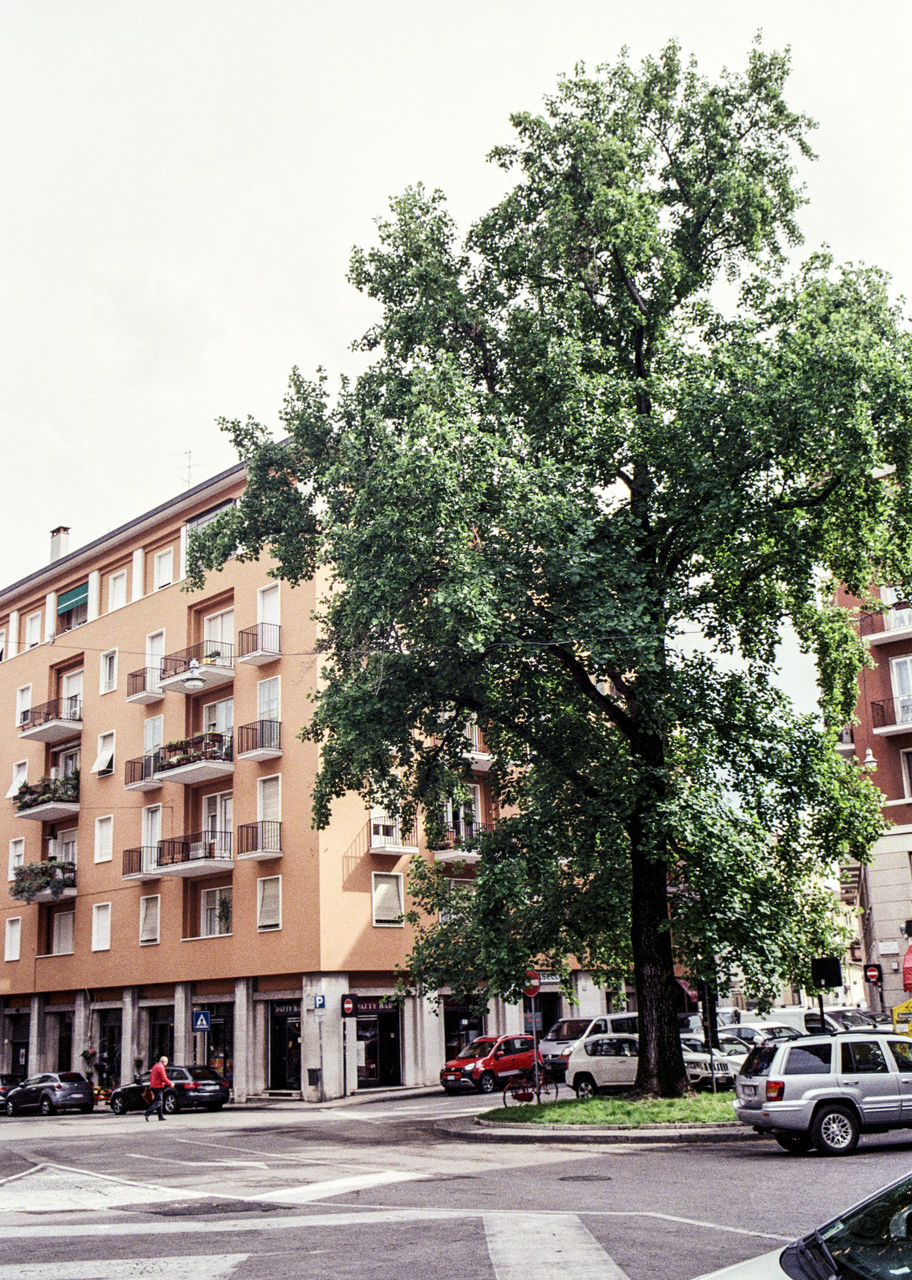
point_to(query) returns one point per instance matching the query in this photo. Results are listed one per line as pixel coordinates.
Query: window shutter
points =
(387, 899)
(148, 919)
(269, 909)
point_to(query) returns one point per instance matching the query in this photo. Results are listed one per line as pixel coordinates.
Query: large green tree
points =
(603, 448)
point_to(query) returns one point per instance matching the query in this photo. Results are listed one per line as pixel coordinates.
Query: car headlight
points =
(565, 1053)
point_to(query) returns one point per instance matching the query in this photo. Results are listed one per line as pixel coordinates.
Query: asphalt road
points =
(374, 1190)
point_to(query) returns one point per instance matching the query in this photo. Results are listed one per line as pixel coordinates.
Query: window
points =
(897, 617)
(101, 926)
(387, 898)
(151, 826)
(215, 912)
(20, 771)
(71, 695)
(117, 590)
(2, 643)
(863, 1057)
(268, 699)
(104, 838)
(218, 717)
(152, 734)
(65, 846)
(269, 799)
(107, 679)
(16, 855)
(149, 919)
(65, 762)
(218, 820)
(33, 630)
(902, 1055)
(62, 933)
(218, 629)
(460, 889)
(23, 703)
(901, 675)
(463, 818)
(104, 761)
(269, 903)
(13, 938)
(206, 517)
(162, 569)
(73, 607)
(812, 1061)
(268, 605)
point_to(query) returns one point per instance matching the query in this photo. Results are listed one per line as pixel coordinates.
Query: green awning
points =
(73, 598)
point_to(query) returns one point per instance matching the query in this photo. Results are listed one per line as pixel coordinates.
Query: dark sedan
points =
(50, 1091)
(7, 1082)
(192, 1087)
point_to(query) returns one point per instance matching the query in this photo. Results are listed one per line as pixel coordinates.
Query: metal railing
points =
(46, 791)
(892, 620)
(888, 711)
(142, 769)
(258, 837)
(141, 861)
(195, 847)
(262, 735)
(57, 709)
(461, 833)
(145, 680)
(264, 637)
(209, 745)
(214, 653)
(387, 833)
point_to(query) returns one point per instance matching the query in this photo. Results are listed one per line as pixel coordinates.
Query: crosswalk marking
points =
(311, 1191)
(522, 1245)
(205, 1267)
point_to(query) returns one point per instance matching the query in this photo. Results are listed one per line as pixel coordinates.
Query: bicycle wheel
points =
(518, 1093)
(548, 1089)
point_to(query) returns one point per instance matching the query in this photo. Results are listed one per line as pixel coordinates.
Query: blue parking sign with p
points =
(201, 1020)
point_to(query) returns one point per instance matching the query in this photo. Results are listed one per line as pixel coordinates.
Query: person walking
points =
(158, 1083)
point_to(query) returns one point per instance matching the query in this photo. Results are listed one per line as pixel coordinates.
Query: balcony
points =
(203, 666)
(885, 628)
(259, 840)
(46, 881)
(845, 739)
(202, 758)
(477, 754)
(459, 842)
(144, 686)
(139, 774)
(48, 799)
(849, 882)
(892, 715)
(202, 853)
(260, 644)
(261, 740)
(385, 836)
(141, 863)
(52, 721)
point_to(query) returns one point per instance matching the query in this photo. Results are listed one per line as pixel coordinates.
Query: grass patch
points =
(697, 1108)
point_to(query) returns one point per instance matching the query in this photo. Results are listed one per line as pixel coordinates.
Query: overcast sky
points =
(183, 183)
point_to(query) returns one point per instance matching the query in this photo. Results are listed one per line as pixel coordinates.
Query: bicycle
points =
(530, 1086)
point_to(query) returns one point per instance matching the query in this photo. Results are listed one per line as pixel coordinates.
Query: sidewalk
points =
(485, 1129)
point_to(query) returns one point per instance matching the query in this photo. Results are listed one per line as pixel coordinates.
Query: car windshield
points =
(852, 1018)
(203, 1073)
(477, 1049)
(874, 1240)
(71, 1077)
(569, 1029)
(759, 1060)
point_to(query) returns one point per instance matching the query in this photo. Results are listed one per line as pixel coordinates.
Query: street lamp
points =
(194, 681)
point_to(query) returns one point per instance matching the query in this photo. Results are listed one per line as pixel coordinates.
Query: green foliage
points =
(573, 500)
(627, 1111)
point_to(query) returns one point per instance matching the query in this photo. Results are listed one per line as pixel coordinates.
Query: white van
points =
(806, 1018)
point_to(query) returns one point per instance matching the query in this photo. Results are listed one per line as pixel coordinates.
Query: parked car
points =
(50, 1091)
(824, 1091)
(734, 1052)
(873, 1239)
(610, 1062)
(766, 1032)
(558, 1044)
(806, 1019)
(487, 1063)
(193, 1086)
(7, 1082)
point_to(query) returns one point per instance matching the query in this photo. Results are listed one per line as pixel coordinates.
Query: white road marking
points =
(334, 1187)
(206, 1267)
(204, 1164)
(50, 1188)
(527, 1245)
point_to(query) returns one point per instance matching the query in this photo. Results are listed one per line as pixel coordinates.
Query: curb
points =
(479, 1129)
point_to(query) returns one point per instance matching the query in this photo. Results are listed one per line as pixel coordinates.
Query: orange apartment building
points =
(156, 807)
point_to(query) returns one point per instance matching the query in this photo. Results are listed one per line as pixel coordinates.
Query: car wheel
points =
(47, 1107)
(487, 1083)
(170, 1104)
(118, 1106)
(585, 1087)
(796, 1144)
(835, 1130)
(10, 1109)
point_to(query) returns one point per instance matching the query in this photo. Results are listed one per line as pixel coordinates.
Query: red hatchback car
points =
(488, 1063)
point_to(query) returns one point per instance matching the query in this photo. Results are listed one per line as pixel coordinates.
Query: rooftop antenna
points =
(191, 467)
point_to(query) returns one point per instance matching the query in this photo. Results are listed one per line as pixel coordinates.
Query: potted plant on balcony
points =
(36, 877)
(437, 834)
(224, 914)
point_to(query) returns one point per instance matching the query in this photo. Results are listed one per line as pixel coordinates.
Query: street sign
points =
(873, 973)
(533, 983)
(349, 1005)
(320, 1003)
(201, 1020)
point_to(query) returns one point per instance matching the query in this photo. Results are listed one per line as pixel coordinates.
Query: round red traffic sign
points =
(533, 983)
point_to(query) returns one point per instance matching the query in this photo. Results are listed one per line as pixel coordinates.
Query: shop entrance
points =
(285, 1045)
(64, 1041)
(220, 1041)
(379, 1044)
(110, 1039)
(547, 1012)
(161, 1033)
(19, 1044)
(460, 1025)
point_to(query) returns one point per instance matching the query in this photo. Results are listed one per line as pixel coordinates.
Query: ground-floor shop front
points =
(312, 1036)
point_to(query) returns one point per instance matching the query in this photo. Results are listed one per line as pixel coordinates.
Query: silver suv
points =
(823, 1091)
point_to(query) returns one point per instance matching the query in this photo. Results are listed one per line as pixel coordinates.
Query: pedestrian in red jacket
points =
(158, 1082)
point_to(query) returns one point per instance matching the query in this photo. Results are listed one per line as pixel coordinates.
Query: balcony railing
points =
(141, 863)
(387, 836)
(892, 714)
(462, 833)
(139, 774)
(49, 798)
(46, 881)
(52, 721)
(260, 644)
(201, 853)
(261, 740)
(205, 665)
(896, 619)
(144, 685)
(202, 758)
(259, 840)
